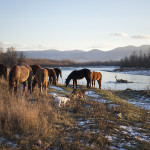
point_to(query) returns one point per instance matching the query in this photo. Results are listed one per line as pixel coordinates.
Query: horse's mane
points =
(70, 76)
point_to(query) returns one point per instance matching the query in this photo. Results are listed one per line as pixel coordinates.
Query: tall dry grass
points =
(32, 117)
(18, 114)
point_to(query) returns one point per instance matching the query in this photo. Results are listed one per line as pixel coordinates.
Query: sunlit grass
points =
(35, 122)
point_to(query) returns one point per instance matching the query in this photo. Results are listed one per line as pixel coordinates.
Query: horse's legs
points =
(76, 83)
(45, 86)
(16, 86)
(24, 86)
(41, 87)
(100, 82)
(94, 83)
(73, 82)
(57, 77)
(30, 86)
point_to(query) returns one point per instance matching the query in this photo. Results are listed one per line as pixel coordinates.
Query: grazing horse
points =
(79, 74)
(58, 72)
(20, 74)
(3, 71)
(52, 75)
(96, 76)
(35, 68)
(41, 78)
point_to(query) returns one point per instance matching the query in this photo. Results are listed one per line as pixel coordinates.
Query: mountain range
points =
(87, 56)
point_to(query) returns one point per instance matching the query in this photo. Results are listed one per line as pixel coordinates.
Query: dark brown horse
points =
(41, 78)
(52, 76)
(35, 68)
(79, 74)
(20, 74)
(96, 76)
(3, 71)
(58, 73)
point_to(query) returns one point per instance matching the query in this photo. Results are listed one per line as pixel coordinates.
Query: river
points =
(140, 82)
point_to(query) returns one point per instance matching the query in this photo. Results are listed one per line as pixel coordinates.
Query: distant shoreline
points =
(136, 71)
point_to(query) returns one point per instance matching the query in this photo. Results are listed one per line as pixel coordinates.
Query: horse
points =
(79, 74)
(3, 71)
(96, 76)
(58, 72)
(41, 78)
(52, 75)
(35, 68)
(20, 74)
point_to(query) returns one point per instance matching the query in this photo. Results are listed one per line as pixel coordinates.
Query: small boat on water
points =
(122, 81)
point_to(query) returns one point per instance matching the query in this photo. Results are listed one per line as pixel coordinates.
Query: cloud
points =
(102, 46)
(22, 46)
(4, 43)
(119, 34)
(140, 36)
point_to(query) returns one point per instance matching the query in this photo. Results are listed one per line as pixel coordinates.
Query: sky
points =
(74, 24)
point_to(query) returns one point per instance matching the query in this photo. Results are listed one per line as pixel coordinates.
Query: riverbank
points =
(105, 120)
(135, 71)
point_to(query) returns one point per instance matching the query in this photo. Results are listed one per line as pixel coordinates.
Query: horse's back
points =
(96, 75)
(23, 73)
(20, 73)
(42, 75)
(35, 68)
(58, 72)
(45, 75)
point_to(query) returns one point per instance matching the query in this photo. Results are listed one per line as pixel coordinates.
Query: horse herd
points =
(34, 74)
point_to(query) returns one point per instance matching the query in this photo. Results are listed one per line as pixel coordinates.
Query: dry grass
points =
(33, 118)
(35, 122)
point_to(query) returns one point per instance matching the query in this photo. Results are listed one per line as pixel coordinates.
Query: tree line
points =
(10, 57)
(136, 60)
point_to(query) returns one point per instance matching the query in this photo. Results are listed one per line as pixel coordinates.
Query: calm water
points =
(140, 82)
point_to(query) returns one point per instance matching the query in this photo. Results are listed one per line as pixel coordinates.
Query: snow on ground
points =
(8, 143)
(139, 100)
(136, 133)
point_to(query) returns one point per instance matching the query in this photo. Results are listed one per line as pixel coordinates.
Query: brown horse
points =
(20, 74)
(52, 76)
(3, 71)
(96, 76)
(41, 78)
(79, 74)
(35, 68)
(58, 72)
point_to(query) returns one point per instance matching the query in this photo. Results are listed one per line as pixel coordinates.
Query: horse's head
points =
(55, 81)
(67, 82)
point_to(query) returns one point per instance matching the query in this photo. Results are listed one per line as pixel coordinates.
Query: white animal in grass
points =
(60, 100)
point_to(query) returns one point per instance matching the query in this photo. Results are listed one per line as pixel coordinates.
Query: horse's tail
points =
(34, 84)
(54, 77)
(60, 73)
(6, 73)
(100, 76)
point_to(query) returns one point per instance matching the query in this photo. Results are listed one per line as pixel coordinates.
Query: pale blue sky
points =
(74, 24)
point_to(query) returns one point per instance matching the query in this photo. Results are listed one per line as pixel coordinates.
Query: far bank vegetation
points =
(10, 57)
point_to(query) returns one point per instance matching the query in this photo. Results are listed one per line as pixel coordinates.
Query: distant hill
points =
(86, 56)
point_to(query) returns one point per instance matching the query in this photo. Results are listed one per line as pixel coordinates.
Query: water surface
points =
(140, 82)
